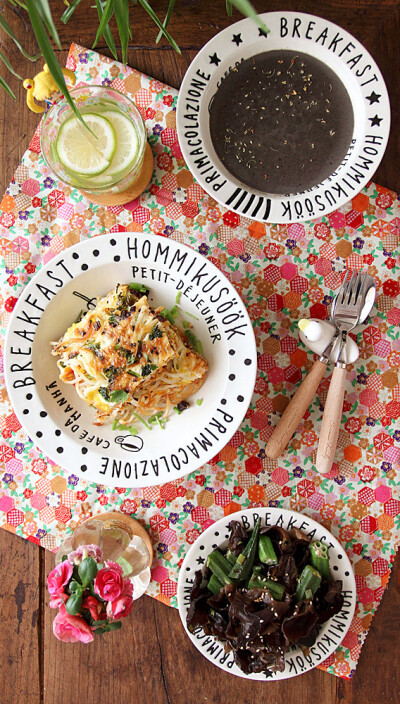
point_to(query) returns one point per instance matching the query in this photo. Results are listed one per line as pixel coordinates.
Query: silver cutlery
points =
(305, 393)
(302, 398)
(352, 307)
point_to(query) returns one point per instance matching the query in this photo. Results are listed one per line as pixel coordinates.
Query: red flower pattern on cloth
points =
(283, 273)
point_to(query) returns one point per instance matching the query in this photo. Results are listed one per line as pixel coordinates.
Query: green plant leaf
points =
(18, 3)
(5, 60)
(166, 19)
(87, 570)
(121, 13)
(247, 9)
(49, 56)
(107, 32)
(44, 11)
(74, 586)
(107, 14)
(100, 629)
(7, 88)
(114, 625)
(11, 34)
(67, 14)
(228, 7)
(154, 17)
(74, 603)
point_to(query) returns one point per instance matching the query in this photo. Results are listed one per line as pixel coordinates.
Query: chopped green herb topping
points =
(194, 342)
(166, 314)
(199, 401)
(111, 372)
(138, 287)
(156, 419)
(148, 368)
(128, 354)
(103, 391)
(118, 396)
(129, 428)
(93, 347)
(79, 316)
(178, 296)
(156, 332)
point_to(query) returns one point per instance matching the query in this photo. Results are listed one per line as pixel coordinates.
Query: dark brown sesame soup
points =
(281, 122)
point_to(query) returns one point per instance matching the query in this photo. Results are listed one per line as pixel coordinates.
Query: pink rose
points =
(71, 629)
(59, 577)
(122, 606)
(57, 599)
(113, 566)
(109, 582)
(94, 606)
(76, 557)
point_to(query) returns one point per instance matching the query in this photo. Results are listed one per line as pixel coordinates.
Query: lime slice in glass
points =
(127, 142)
(80, 152)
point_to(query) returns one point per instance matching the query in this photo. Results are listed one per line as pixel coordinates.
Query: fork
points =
(346, 315)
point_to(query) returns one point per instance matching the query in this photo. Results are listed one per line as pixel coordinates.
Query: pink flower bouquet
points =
(90, 596)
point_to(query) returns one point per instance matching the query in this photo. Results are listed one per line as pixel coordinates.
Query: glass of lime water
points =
(108, 158)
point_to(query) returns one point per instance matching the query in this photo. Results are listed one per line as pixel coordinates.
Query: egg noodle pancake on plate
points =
(127, 360)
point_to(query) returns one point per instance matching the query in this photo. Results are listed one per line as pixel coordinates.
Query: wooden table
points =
(151, 660)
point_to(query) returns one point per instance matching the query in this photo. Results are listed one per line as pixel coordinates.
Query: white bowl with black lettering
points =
(331, 633)
(341, 53)
(61, 423)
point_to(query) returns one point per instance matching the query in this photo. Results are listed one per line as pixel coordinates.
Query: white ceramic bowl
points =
(332, 632)
(61, 423)
(294, 31)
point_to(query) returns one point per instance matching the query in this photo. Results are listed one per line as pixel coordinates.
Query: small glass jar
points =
(90, 98)
(121, 539)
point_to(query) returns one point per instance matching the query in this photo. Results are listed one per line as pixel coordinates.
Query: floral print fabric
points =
(282, 273)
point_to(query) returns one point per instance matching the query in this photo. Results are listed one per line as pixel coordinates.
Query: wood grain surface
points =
(151, 660)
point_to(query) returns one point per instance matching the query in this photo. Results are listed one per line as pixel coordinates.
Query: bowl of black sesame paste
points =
(281, 121)
(286, 125)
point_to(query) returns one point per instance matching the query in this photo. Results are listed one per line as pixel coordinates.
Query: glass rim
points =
(47, 120)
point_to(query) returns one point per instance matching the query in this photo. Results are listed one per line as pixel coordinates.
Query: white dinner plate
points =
(61, 423)
(332, 632)
(299, 32)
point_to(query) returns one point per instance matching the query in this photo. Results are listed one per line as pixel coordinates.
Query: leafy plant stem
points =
(49, 56)
(166, 19)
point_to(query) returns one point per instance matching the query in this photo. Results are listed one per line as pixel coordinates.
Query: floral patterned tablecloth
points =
(282, 273)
